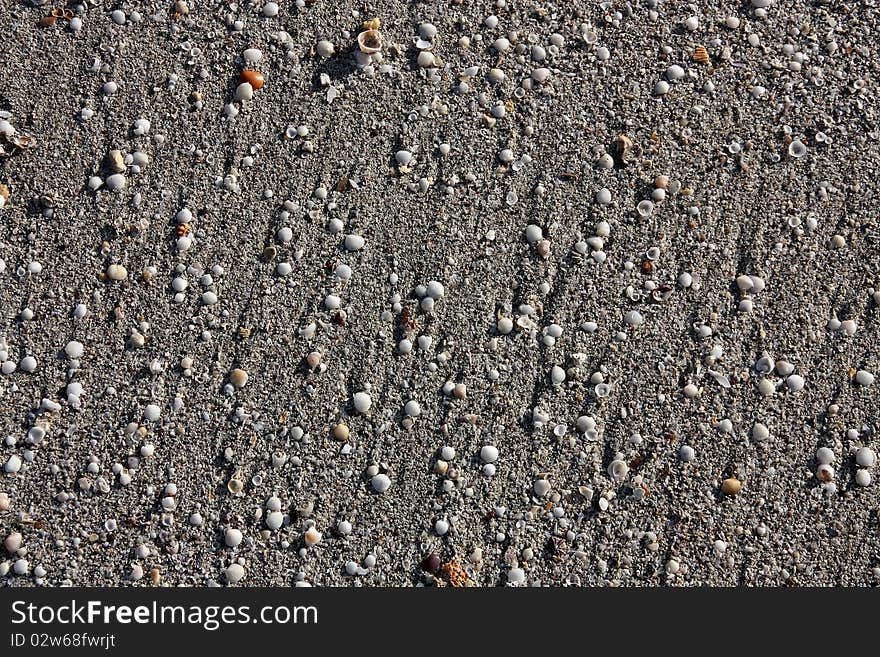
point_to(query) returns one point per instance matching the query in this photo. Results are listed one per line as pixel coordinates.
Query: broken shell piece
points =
(4, 195)
(372, 24)
(11, 142)
(370, 41)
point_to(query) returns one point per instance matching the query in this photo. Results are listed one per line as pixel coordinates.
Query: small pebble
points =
(116, 182)
(244, 91)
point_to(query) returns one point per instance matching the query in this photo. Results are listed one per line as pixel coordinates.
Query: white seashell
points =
(370, 41)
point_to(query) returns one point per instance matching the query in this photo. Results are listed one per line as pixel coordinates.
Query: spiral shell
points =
(701, 55)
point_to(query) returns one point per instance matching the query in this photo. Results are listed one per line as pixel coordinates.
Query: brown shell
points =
(254, 78)
(701, 55)
(731, 486)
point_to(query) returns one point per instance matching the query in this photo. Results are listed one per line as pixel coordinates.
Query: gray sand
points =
(742, 200)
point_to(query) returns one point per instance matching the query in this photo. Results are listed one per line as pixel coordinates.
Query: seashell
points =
(370, 41)
(797, 148)
(825, 473)
(235, 485)
(17, 142)
(254, 78)
(624, 144)
(618, 469)
(313, 360)
(372, 24)
(731, 486)
(701, 55)
(586, 492)
(765, 364)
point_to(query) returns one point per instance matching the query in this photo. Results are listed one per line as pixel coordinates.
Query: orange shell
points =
(255, 78)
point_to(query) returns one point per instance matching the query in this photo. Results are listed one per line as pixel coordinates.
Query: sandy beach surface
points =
(439, 293)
